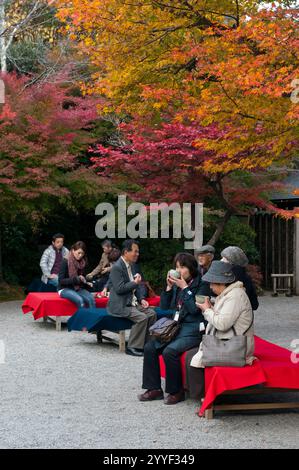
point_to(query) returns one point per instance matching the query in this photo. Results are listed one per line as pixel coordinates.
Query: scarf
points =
(76, 268)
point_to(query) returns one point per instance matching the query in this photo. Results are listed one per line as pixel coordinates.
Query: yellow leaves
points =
(225, 163)
(106, 109)
(206, 94)
(88, 42)
(150, 62)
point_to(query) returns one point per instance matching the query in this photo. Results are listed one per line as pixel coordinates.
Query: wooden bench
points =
(49, 305)
(121, 340)
(209, 413)
(98, 320)
(288, 289)
(273, 372)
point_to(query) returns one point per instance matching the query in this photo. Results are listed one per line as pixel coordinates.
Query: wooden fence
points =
(276, 242)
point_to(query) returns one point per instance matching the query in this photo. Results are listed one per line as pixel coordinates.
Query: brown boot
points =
(173, 399)
(151, 395)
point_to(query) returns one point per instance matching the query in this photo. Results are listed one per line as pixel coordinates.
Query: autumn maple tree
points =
(42, 130)
(208, 89)
(150, 161)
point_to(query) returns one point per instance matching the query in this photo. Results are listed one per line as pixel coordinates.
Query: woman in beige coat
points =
(231, 314)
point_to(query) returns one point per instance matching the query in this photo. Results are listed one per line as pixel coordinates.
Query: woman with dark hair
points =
(179, 294)
(72, 282)
(100, 274)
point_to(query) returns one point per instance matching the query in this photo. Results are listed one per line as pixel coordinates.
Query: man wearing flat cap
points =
(204, 256)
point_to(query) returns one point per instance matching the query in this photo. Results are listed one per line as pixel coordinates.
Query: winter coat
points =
(232, 312)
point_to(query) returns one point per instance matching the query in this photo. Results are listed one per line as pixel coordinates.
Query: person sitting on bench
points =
(123, 301)
(231, 314)
(238, 259)
(204, 257)
(180, 294)
(101, 273)
(52, 259)
(72, 282)
(142, 291)
(113, 256)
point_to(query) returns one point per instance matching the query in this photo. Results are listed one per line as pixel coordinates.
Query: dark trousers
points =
(171, 354)
(195, 377)
(99, 284)
(151, 367)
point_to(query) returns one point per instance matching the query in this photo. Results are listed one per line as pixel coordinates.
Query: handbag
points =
(231, 352)
(165, 329)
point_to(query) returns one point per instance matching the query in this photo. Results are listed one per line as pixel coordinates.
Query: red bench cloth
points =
(273, 369)
(47, 304)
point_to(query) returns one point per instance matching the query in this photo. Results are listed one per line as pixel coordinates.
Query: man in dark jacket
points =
(141, 290)
(123, 300)
(204, 256)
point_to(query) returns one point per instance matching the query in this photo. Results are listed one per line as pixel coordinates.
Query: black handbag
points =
(165, 329)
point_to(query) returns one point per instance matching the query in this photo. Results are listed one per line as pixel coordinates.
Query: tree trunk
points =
(3, 59)
(220, 227)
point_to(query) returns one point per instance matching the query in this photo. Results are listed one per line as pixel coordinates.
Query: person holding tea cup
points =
(179, 295)
(232, 314)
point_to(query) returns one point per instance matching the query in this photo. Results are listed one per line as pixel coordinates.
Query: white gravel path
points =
(63, 390)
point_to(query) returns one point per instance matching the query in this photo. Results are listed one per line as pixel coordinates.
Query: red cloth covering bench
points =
(273, 369)
(47, 304)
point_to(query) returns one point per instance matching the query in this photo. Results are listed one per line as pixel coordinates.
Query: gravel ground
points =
(63, 390)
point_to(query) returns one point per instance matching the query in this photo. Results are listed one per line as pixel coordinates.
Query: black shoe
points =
(134, 352)
(173, 399)
(151, 395)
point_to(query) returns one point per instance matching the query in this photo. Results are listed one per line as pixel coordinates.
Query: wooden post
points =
(296, 255)
(122, 341)
(209, 413)
(289, 286)
(99, 337)
(275, 286)
(58, 323)
(273, 261)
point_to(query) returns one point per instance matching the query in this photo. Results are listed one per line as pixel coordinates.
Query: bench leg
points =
(289, 292)
(99, 337)
(274, 287)
(58, 324)
(209, 413)
(122, 341)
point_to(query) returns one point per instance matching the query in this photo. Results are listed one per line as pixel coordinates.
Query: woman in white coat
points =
(231, 314)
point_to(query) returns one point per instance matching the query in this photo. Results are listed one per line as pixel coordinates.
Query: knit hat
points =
(235, 256)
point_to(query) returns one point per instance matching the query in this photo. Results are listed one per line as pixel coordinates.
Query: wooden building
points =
(278, 239)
